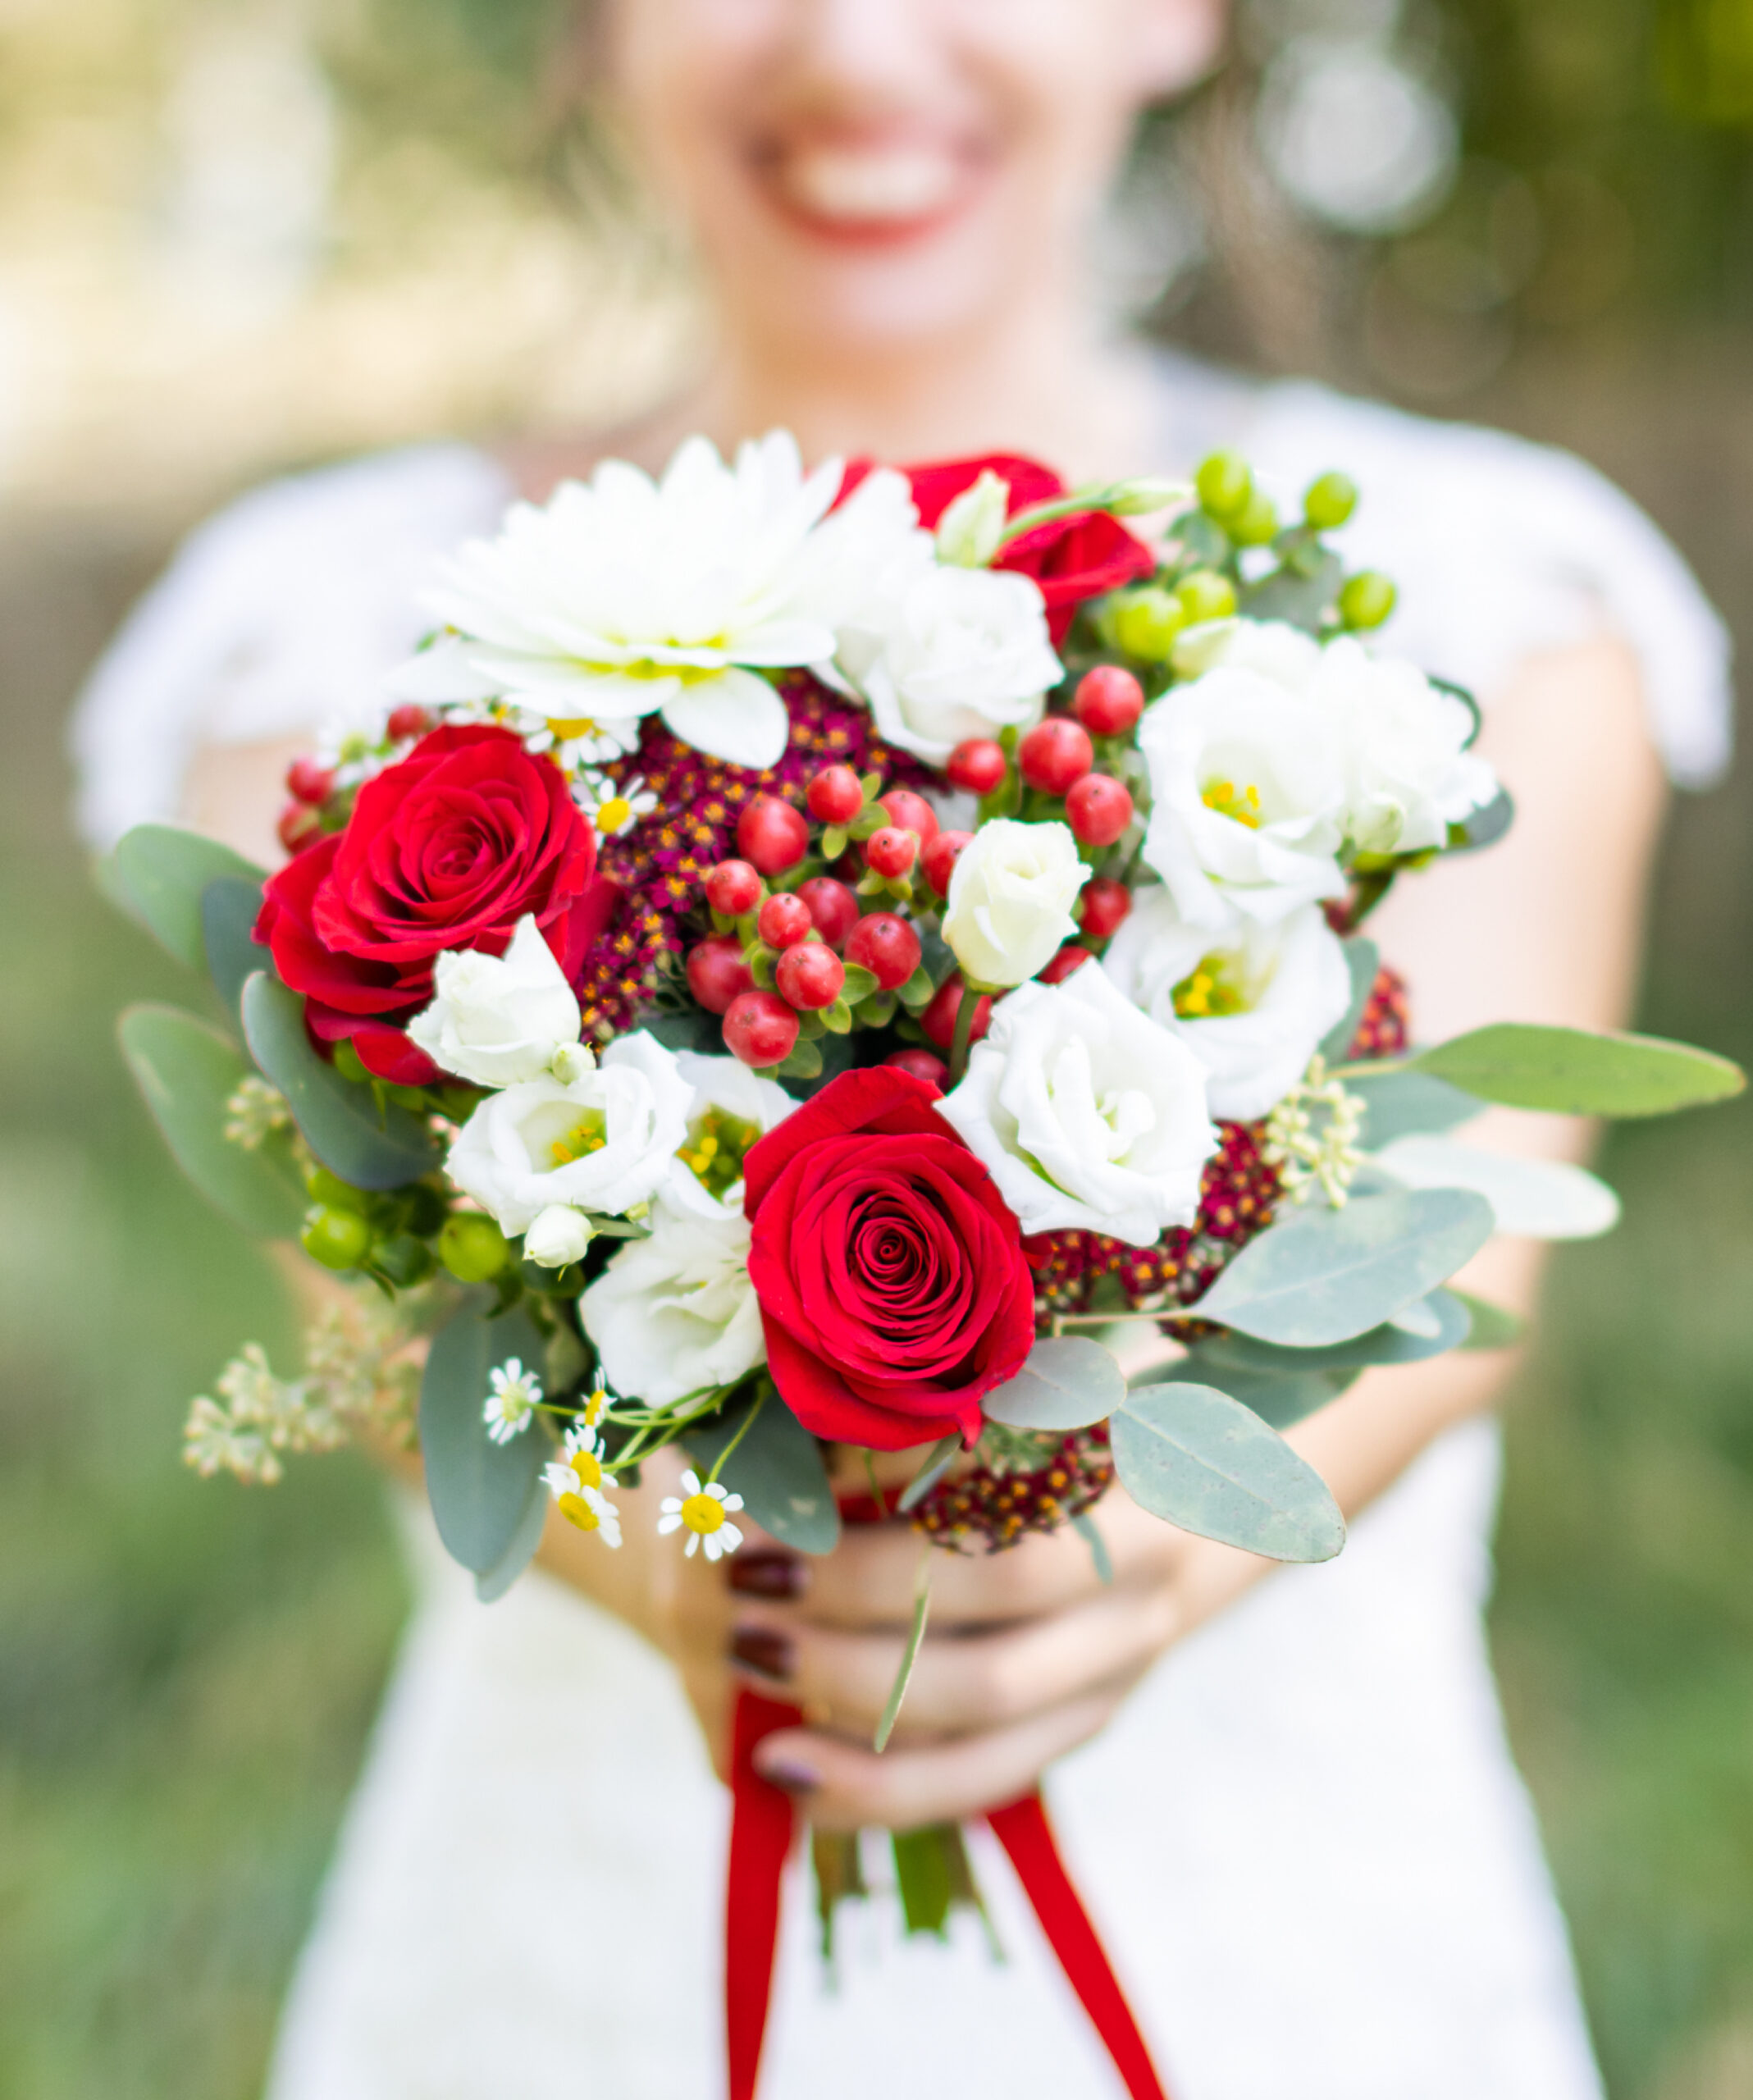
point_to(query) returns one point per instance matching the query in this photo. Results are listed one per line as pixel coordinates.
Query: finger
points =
(961, 1682)
(843, 1787)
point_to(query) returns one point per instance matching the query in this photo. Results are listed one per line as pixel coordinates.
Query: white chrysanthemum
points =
(625, 597)
(512, 1400)
(704, 1511)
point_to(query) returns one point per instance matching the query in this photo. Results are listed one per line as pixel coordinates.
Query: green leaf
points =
(229, 907)
(1085, 1525)
(1531, 1198)
(860, 983)
(1492, 1327)
(922, 1875)
(1383, 1344)
(804, 1063)
(885, 1728)
(480, 1490)
(1064, 1384)
(1297, 598)
(1578, 1073)
(917, 993)
(939, 1460)
(838, 1019)
(1399, 1103)
(693, 1030)
(1483, 827)
(160, 871)
(187, 1072)
(339, 1119)
(492, 1586)
(776, 1468)
(833, 841)
(1201, 1460)
(1324, 1275)
(1363, 962)
(1279, 1398)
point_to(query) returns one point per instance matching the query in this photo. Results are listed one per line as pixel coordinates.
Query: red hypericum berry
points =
(922, 1064)
(309, 781)
(732, 887)
(772, 834)
(891, 851)
(832, 906)
(977, 766)
(784, 920)
(760, 1029)
(1069, 958)
(409, 719)
(835, 796)
(887, 947)
(1102, 907)
(718, 974)
(1108, 700)
(299, 827)
(911, 812)
(938, 1020)
(1054, 754)
(809, 975)
(940, 858)
(1099, 809)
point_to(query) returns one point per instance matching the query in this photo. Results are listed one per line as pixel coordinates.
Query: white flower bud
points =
(1147, 494)
(971, 529)
(498, 1020)
(1011, 899)
(559, 1235)
(571, 1061)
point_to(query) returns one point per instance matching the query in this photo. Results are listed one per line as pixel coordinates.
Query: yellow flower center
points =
(1241, 805)
(614, 813)
(703, 1513)
(571, 726)
(588, 1466)
(576, 1510)
(589, 1134)
(1208, 992)
(714, 1153)
(593, 1407)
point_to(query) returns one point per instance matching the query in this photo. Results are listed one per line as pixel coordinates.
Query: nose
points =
(874, 49)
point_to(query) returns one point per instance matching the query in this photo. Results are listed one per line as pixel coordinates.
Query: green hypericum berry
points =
(1330, 501)
(324, 1187)
(338, 1239)
(472, 1248)
(1206, 596)
(1366, 600)
(1225, 484)
(1259, 522)
(1145, 624)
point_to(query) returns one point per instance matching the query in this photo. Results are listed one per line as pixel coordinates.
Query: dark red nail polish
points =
(793, 1779)
(765, 1651)
(766, 1574)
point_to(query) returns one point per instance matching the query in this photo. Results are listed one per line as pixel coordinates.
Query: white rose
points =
(1010, 899)
(559, 1235)
(1089, 1114)
(1253, 1003)
(730, 1110)
(964, 652)
(496, 1020)
(602, 1143)
(1247, 794)
(676, 1314)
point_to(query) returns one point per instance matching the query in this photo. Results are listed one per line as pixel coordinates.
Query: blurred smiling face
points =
(882, 172)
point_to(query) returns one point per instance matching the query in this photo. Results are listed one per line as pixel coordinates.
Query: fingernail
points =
(783, 1772)
(765, 1651)
(766, 1574)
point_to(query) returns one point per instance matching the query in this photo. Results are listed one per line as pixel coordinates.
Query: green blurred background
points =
(235, 237)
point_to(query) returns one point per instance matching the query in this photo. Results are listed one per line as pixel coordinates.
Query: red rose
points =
(890, 1272)
(1071, 559)
(449, 848)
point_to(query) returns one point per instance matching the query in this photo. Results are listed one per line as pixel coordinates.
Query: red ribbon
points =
(761, 1839)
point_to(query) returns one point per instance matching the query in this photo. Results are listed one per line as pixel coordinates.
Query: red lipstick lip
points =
(764, 163)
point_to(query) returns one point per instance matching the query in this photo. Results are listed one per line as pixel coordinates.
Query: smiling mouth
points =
(876, 188)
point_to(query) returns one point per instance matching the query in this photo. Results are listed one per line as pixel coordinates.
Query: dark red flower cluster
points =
(1003, 1504)
(1383, 1028)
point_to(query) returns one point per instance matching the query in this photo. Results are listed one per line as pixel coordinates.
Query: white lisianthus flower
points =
(964, 652)
(1089, 1114)
(1247, 798)
(605, 1142)
(623, 597)
(496, 1020)
(1009, 900)
(732, 1109)
(676, 1314)
(558, 1235)
(1251, 1004)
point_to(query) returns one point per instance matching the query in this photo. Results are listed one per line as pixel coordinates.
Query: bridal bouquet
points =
(818, 960)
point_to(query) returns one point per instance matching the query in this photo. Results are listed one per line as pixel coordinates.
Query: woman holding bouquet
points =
(1287, 1800)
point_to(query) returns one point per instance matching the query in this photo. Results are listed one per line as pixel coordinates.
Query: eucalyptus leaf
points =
(1364, 961)
(1324, 1275)
(339, 1117)
(1386, 1343)
(492, 1586)
(1398, 1102)
(1483, 827)
(1090, 1531)
(187, 1072)
(1279, 1397)
(1532, 1198)
(1492, 1327)
(1067, 1383)
(229, 907)
(480, 1490)
(1300, 599)
(776, 1468)
(161, 870)
(1578, 1073)
(1201, 1460)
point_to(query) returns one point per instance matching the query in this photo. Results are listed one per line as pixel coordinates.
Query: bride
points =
(1285, 1794)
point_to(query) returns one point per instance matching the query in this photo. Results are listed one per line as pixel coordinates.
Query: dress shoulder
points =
(281, 612)
(1501, 548)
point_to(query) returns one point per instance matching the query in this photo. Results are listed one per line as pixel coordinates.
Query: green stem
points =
(966, 1009)
(746, 1425)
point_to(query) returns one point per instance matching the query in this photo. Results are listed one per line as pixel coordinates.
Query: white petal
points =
(736, 716)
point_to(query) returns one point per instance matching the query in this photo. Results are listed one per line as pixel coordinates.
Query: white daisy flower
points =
(705, 1512)
(583, 740)
(515, 1396)
(613, 809)
(578, 1485)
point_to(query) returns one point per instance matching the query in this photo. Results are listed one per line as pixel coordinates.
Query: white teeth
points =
(870, 184)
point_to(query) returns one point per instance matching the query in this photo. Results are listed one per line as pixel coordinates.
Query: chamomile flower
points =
(704, 1512)
(578, 1485)
(613, 809)
(515, 1396)
(581, 741)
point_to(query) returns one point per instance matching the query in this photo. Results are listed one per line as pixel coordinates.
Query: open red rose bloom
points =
(892, 1280)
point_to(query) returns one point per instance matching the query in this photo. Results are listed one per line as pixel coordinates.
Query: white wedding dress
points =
(1303, 1838)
